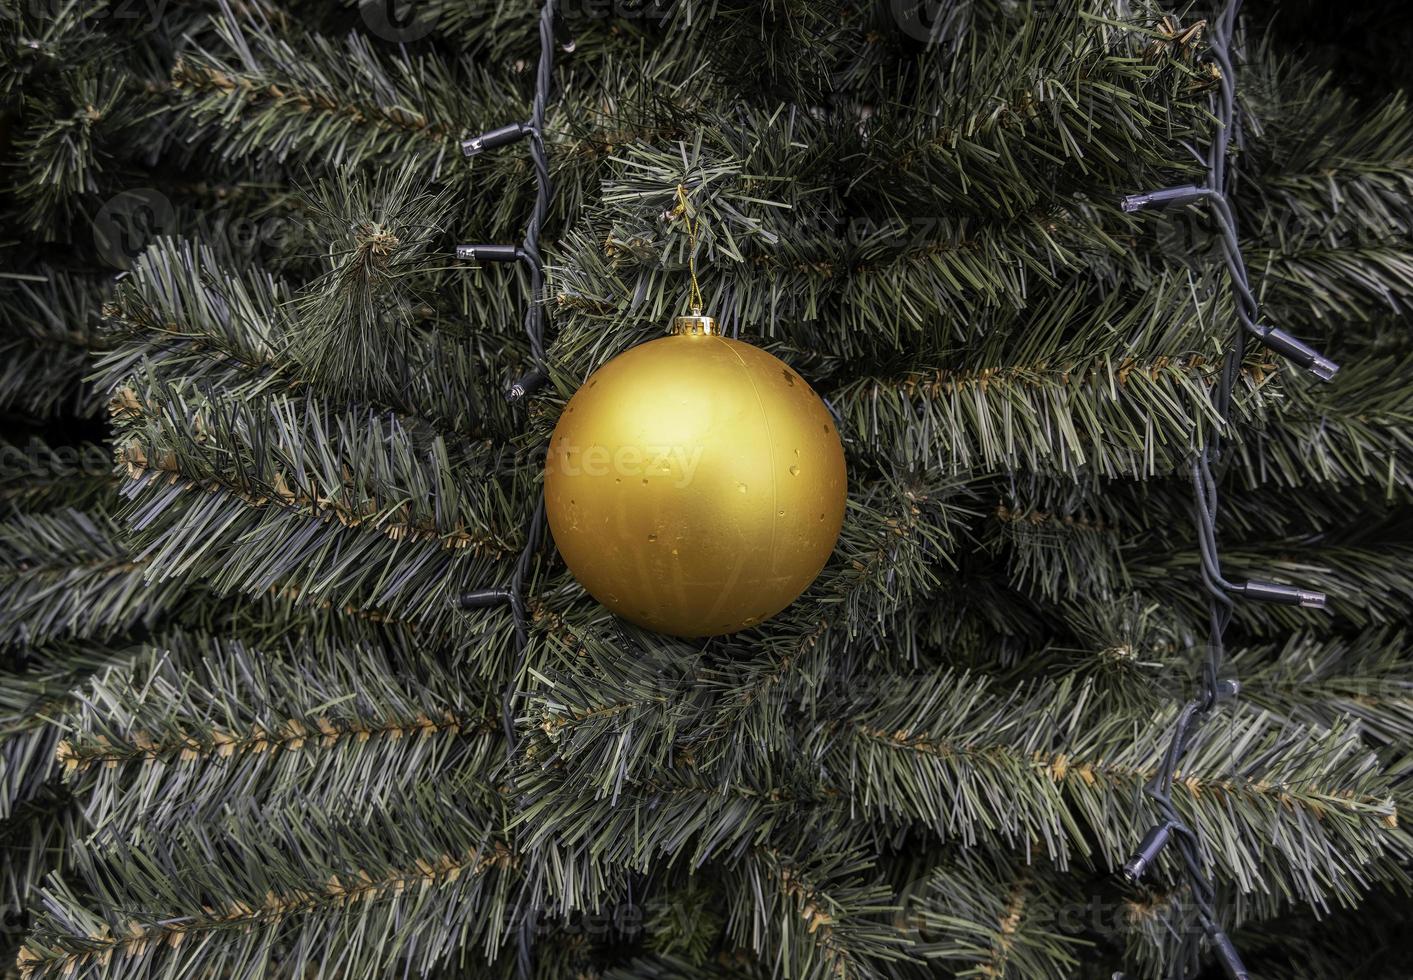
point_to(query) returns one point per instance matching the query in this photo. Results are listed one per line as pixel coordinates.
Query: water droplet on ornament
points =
(645, 481)
(618, 479)
(674, 551)
(789, 378)
(794, 471)
(652, 537)
(752, 620)
(821, 517)
(779, 513)
(741, 487)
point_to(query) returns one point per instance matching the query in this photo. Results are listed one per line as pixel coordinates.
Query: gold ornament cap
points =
(695, 324)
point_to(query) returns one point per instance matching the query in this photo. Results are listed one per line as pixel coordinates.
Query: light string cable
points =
(1221, 593)
(552, 32)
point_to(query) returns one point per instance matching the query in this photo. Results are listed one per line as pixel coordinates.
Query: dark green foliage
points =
(256, 443)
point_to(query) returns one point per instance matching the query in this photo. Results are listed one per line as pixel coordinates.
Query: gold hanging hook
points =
(696, 323)
(685, 211)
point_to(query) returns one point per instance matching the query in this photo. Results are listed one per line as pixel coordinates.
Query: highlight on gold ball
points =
(695, 484)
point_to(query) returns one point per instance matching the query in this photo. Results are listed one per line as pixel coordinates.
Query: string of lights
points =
(1221, 592)
(553, 32)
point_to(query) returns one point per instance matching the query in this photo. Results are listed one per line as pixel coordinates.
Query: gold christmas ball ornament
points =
(695, 484)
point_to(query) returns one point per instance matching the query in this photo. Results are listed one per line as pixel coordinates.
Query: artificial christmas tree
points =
(295, 682)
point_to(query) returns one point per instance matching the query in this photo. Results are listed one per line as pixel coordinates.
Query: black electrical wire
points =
(1196, 711)
(1220, 591)
(551, 32)
(528, 252)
